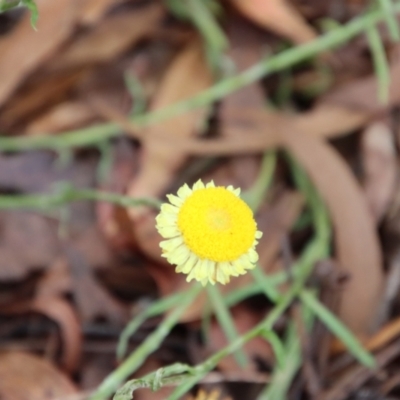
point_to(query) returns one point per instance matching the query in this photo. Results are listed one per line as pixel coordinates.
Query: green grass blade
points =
(32, 7)
(337, 328)
(391, 21)
(157, 308)
(267, 287)
(283, 375)
(256, 194)
(225, 319)
(277, 346)
(152, 343)
(380, 63)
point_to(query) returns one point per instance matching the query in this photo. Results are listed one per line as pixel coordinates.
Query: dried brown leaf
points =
(24, 376)
(92, 298)
(110, 38)
(356, 240)
(380, 167)
(46, 91)
(17, 230)
(61, 312)
(279, 16)
(92, 11)
(23, 49)
(64, 116)
(324, 121)
(362, 94)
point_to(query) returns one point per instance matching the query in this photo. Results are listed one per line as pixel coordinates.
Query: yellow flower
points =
(210, 233)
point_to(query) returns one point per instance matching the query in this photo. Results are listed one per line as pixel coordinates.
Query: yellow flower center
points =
(216, 224)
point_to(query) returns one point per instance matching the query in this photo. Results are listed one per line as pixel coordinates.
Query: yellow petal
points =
(245, 261)
(221, 277)
(180, 255)
(204, 282)
(239, 268)
(198, 185)
(227, 269)
(168, 232)
(184, 191)
(201, 270)
(210, 184)
(169, 208)
(253, 256)
(166, 218)
(187, 266)
(171, 244)
(175, 200)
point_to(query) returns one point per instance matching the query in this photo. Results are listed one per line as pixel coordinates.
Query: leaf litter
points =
(74, 276)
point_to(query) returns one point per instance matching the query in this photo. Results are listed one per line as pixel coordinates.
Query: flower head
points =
(210, 233)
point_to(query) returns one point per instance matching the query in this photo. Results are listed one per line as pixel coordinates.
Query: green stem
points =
(158, 307)
(337, 328)
(170, 375)
(265, 284)
(153, 341)
(284, 374)
(313, 252)
(202, 369)
(381, 66)
(226, 321)
(393, 26)
(67, 194)
(7, 5)
(206, 23)
(256, 194)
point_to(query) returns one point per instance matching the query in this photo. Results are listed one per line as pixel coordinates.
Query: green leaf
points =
(32, 7)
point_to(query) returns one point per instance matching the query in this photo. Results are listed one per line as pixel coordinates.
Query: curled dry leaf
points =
(357, 244)
(380, 167)
(61, 312)
(55, 25)
(278, 16)
(24, 376)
